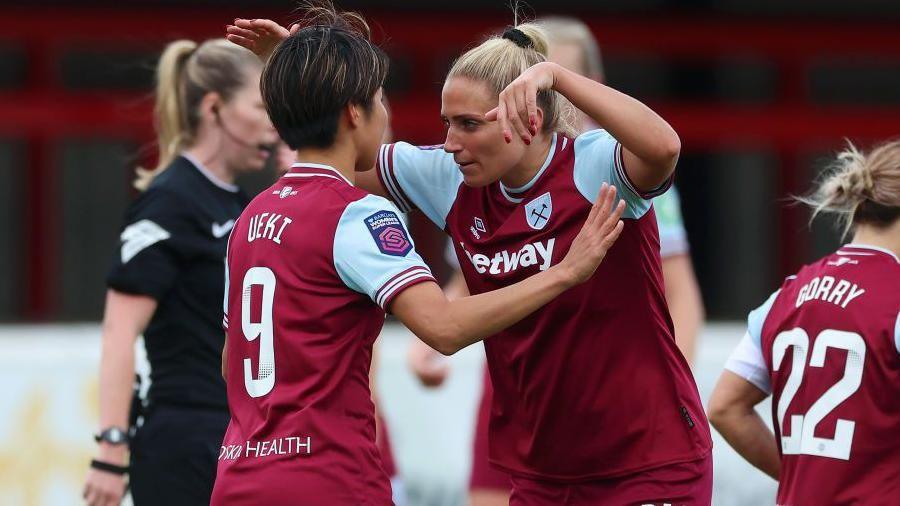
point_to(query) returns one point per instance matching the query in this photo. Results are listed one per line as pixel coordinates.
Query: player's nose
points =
(452, 144)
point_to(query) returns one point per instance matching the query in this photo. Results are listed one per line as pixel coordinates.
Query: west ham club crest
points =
(537, 212)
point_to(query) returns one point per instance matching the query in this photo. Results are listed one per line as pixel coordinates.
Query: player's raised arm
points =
(449, 326)
(651, 146)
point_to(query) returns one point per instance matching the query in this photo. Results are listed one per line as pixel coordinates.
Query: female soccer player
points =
(826, 345)
(573, 46)
(593, 403)
(311, 263)
(167, 277)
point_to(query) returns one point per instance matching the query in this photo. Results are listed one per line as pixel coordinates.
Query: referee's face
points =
(248, 135)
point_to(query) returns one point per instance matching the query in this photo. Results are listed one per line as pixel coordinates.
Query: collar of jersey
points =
(233, 188)
(303, 169)
(509, 192)
(868, 247)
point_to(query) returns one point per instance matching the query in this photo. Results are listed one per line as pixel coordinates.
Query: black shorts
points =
(174, 456)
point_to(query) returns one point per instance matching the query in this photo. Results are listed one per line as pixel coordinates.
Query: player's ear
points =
(210, 106)
(354, 115)
(539, 119)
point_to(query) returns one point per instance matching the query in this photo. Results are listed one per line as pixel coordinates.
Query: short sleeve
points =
(420, 177)
(598, 160)
(672, 236)
(147, 260)
(373, 252)
(757, 318)
(747, 361)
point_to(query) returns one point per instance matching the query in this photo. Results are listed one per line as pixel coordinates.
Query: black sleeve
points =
(150, 249)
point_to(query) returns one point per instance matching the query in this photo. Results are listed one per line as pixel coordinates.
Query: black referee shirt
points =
(172, 248)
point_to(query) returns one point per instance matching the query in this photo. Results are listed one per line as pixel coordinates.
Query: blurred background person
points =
(167, 281)
(837, 419)
(573, 46)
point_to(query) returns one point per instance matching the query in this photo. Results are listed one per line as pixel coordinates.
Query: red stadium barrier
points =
(43, 110)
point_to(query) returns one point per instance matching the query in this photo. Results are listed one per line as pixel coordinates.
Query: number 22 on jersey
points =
(802, 439)
(262, 330)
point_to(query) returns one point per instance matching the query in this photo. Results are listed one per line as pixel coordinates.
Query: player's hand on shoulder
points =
(261, 36)
(517, 107)
(597, 235)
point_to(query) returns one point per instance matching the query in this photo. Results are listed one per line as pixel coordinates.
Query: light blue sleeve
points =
(373, 252)
(757, 318)
(672, 235)
(423, 177)
(598, 160)
(747, 359)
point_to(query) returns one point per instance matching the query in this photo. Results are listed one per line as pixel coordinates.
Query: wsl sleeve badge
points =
(389, 233)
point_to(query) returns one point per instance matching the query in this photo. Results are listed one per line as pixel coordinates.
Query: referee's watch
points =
(112, 435)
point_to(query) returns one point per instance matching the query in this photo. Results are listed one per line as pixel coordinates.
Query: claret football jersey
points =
(311, 263)
(592, 384)
(826, 345)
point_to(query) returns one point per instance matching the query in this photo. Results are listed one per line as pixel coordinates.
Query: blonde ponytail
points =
(860, 187)
(171, 121)
(185, 74)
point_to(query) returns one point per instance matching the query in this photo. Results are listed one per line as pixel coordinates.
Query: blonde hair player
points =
(573, 46)
(826, 347)
(167, 276)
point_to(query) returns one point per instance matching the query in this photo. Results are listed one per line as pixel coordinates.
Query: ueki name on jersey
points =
(478, 227)
(537, 212)
(287, 191)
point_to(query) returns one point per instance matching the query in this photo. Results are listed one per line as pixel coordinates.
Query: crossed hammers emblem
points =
(538, 214)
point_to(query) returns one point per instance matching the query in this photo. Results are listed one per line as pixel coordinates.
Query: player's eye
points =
(470, 124)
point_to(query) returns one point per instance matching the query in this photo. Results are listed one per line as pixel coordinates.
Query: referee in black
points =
(167, 280)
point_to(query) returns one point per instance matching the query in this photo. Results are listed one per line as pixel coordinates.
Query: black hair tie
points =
(518, 37)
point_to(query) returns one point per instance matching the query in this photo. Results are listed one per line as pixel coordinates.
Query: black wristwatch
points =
(112, 435)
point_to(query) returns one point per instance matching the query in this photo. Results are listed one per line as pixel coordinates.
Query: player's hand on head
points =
(597, 235)
(102, 488)
(517, 109)
(429, 366)
(261, 36)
